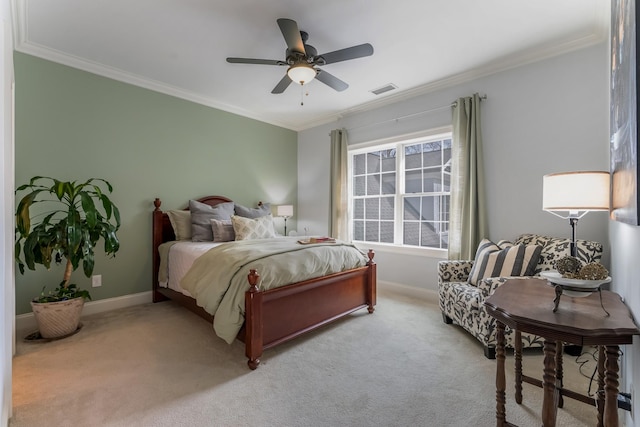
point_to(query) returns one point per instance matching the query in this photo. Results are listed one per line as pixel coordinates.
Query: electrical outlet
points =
(96, 280)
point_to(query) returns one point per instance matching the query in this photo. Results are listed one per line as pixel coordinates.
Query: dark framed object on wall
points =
(624, 112)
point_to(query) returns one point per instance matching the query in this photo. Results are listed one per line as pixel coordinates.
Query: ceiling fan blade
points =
(331, 81)
(255, 61)
(349, 53)
(291, 35)
(282, 85)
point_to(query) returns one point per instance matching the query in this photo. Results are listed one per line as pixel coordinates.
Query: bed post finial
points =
(253, 280)
(157, 204)
(371, 254)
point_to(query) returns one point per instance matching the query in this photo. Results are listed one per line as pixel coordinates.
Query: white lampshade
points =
(576, 191)
(301, 73)
(284, 210)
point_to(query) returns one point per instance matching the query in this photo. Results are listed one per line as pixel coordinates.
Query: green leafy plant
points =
(71, 226)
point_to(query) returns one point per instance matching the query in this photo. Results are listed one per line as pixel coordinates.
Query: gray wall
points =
(72, 124)
(548, 116)
(625, 247)
(544, 117)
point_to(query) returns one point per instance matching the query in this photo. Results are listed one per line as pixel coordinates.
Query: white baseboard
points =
(28, 322)
(429, 295)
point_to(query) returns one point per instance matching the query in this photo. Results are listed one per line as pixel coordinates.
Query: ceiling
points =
(179, 47)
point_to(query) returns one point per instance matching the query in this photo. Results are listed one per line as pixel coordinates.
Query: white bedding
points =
(183, 254)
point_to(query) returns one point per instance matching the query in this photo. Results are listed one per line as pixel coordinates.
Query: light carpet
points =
(161, 365)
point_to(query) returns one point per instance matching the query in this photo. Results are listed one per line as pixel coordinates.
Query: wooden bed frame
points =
(281, 314)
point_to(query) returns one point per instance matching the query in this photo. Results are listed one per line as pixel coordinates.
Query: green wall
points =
(74, 125)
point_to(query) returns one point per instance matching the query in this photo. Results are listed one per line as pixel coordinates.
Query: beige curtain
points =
(339, 204)
(468, 222)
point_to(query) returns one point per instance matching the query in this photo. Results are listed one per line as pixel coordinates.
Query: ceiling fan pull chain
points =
(301, 95)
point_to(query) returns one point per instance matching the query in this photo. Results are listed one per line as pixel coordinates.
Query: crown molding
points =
(136, 80)
(506, 63)
(23, 45)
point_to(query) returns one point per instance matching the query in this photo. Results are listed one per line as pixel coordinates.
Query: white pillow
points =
(253, 228)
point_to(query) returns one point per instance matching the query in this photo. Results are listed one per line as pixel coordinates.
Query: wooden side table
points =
(526, 305)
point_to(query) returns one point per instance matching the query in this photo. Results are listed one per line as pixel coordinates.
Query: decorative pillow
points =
(263, 210)
(222, 230)
(201, 216)
(253, 228)
(503, 260)
(181, 223)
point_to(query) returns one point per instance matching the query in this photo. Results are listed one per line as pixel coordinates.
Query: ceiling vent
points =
(383, 89)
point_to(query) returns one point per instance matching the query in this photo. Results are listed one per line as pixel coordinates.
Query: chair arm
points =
(454, 271)
(490, 284)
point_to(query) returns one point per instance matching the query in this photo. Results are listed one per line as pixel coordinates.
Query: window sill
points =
(404, 250)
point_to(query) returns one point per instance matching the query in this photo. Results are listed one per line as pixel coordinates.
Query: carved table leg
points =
(500, 377)
(600, 399)
(611, 387)
(549, 385)
(556, 300)
(517, 352)
(559, 373)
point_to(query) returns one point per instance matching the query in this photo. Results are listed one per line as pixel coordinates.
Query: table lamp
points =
(575, 193)
(284, 211)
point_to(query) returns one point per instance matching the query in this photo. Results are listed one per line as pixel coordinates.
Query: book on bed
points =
(312, 240)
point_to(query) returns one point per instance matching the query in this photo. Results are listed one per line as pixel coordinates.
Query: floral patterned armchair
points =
(462, 303)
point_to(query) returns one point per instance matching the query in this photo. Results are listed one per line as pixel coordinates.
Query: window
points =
(400, 192)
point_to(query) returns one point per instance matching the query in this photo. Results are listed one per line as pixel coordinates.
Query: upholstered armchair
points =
(462, 302)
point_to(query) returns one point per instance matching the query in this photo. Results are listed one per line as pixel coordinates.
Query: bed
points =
(273, 316)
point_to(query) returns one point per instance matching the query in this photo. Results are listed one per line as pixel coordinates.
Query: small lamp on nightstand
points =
(284, 211)
(576, 193)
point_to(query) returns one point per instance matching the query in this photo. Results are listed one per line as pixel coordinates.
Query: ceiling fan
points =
(303, 59)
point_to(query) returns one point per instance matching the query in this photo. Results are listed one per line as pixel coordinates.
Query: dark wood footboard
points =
(278, 315)
(281, 314)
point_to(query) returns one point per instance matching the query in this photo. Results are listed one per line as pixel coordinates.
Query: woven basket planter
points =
(58, 319)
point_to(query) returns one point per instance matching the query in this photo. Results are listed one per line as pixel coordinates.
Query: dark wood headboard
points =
(162, 231)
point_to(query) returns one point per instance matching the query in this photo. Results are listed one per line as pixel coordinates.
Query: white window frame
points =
(397, 142)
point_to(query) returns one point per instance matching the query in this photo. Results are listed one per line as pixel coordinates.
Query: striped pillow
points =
(503, 259)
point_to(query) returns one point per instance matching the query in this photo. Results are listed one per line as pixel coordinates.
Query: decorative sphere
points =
(593, 271)
(568, 265)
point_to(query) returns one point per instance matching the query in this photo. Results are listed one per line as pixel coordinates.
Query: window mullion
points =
(399, 211)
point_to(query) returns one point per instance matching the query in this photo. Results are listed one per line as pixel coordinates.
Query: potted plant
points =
(71, 225)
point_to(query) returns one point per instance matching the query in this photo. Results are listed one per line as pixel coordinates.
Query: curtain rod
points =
(419, 113)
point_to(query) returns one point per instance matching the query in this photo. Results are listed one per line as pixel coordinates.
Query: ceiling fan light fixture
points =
(301, 73)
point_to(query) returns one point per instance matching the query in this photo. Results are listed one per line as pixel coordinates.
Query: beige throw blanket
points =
(218, 279)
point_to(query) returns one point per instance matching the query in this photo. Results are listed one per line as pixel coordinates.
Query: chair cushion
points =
(503, 259)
